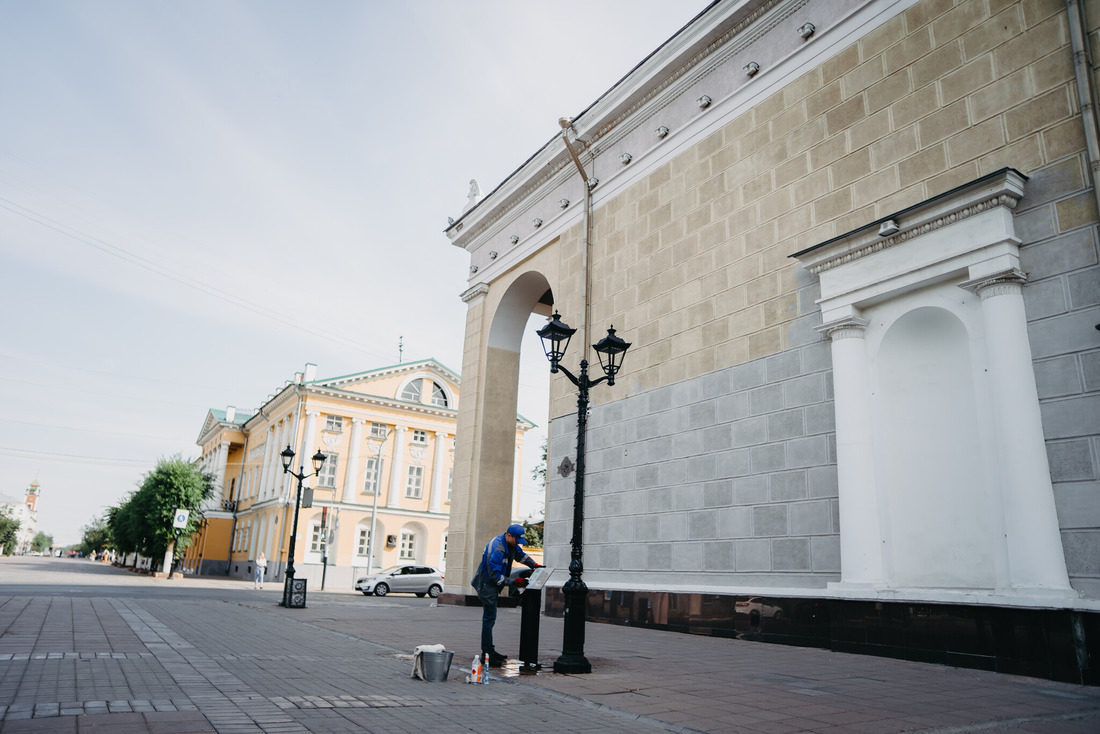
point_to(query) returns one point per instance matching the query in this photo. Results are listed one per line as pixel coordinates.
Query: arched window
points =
(412, 392)
(439, 397)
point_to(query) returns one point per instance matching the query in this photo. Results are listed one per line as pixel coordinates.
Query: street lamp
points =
(294, 593)
(611, 350)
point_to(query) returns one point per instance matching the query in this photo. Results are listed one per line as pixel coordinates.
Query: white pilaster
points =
(861, 550)
(221, 464)
(304, 453)
(435, 501)
(1036, 562)
(351, 469)
(393, 497)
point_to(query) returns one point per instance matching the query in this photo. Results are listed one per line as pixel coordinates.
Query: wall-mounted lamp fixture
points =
(593, 183)
(492, 254)
(662, 131)
(751, 68)
(514, 239)
(563, 203)
(625, 158)
(703, 102)
(473, 269)
(806, 30)
(536, 222)
(888, 228)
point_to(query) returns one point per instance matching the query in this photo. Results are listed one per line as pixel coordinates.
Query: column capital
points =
(311, 412)
(358, 421)
(849, 327)
(475, 292)
(1003, 283)
(400, 429)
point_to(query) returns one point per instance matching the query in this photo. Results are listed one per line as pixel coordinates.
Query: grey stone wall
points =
(1057, 222)
(725, 479)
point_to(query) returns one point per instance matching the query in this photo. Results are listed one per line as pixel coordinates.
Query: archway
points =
(486, 458)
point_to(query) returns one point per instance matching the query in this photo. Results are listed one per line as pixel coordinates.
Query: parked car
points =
(757, 607)
(419, 580)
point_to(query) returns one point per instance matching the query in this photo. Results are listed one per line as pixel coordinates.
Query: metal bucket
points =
(436, 665)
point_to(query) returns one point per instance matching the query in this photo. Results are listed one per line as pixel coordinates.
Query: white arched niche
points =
(944, 486)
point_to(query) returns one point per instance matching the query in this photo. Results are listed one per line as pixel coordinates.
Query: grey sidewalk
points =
(200, 656)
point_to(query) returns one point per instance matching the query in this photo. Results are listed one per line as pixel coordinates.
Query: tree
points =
(539, 472)
(41, 542)
(532, 533)
(143, 523)
(96, 536)
(9, 526)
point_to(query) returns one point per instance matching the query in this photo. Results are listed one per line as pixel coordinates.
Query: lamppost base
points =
(294, 593)
(572, 664)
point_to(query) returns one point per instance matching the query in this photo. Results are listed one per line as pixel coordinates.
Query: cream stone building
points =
(25, 512)
(853, 244)
(389, 437)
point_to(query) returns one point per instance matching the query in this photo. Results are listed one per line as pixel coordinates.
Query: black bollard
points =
(531, 610)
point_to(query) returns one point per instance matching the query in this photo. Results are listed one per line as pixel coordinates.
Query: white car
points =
(419, 580)
(757, 607)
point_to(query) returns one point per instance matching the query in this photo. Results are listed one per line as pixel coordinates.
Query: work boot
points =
(496, 659)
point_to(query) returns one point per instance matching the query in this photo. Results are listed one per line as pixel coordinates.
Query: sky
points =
(198, 198)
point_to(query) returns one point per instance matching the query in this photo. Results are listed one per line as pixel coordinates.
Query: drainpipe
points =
(1086, 93)
(589, 184)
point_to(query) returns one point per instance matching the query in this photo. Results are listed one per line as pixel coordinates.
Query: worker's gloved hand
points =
(520, 583)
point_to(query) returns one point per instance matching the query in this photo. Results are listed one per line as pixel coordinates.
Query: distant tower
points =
(32, 496)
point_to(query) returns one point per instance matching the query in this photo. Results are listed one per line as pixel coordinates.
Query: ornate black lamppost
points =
(611, 349)
(294, 591)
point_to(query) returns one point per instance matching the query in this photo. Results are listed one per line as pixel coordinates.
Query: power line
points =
(189, 282)
(71, 458)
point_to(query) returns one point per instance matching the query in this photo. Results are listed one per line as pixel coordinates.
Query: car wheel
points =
(434, 590)
(778, 615)
(381, 590)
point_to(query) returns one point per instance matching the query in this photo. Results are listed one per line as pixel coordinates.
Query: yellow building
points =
(389, 436)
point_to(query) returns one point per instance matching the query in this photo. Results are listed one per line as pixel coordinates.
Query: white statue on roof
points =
(473, 197)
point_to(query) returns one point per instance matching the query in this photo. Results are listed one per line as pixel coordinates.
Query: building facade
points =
(388, 435)
(26, 513)
(853, 244)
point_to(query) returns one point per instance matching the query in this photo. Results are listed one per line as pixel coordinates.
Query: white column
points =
(222, 461)
(351, 469)
(306, 450)
(861, 547)
(265, 464)
(435, 501)
(276, 467)
(1036, 562)
(393, 497)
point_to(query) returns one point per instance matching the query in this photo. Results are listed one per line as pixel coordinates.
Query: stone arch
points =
(485, 456)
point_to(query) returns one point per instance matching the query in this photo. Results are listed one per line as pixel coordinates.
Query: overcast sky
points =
(197, 198)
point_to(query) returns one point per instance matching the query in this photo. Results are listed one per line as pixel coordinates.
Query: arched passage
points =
(486, 458)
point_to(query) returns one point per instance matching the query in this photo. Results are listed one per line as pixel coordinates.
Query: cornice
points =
(550, 163)
(1001, 189)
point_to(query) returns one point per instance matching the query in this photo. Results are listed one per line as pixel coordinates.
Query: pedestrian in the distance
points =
(492, 576)
(261, 566)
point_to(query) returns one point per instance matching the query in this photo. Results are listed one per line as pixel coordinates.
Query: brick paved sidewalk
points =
(233, 661)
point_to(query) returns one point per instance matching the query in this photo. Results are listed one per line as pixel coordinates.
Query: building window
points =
(420, 437)
(334, 423)
(415, 482)
(327, 475)
(412, 392)
(378, 430)
(315, 538)
(374, 471)
(408, 546)
(444, 564)
(438, 396)
(363, 546)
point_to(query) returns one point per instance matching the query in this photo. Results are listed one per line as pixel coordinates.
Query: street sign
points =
(180, 520)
